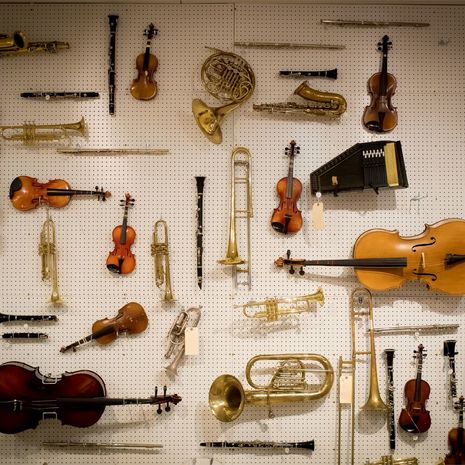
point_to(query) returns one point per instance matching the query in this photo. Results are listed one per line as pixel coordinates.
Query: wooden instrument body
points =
(22, 382)
(456, 439)
(287, 210)
(415, 418)
(144, 87)
(121, 258)
(425, 253)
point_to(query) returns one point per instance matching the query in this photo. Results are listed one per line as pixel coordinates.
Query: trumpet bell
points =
(226, 398)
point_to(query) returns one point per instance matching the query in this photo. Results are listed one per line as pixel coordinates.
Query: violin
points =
(415, 418)
(131, 319)
(76, 398)
(27, 193)
(287, 217)
(456, 440)
(385, 260)
(121, 260)
(144, 87)
(380, 115)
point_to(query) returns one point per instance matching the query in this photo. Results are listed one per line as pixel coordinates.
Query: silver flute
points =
(103, 445)
(342, 22)
(310, 445)
(416, 329)
(59, 95)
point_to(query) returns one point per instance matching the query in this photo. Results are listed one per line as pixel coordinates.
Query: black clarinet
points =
(200, 182)
(4, 317)
(59, 95)
(332, 73)
(24, 336)
(391, 421)
(310, 445)
(111, 70)
(449, 351)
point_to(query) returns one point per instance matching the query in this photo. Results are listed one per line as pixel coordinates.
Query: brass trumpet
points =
(270, 308)
(227, 396)
(47, 252)
(160, 251)
(30, 133)
(19, 44)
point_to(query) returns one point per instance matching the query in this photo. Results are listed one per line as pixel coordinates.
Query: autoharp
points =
(368, 165)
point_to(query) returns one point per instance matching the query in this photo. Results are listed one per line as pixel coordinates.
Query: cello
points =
(121, 260)
(144, 87)
(456, 440)
(287, 217)
(380, 115)
(75, 398)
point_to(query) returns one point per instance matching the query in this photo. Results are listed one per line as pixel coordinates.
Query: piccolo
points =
(103, 445)
(59, 95)
(310, 445)
(341, 22)
(332, 73)
(4, 317)
(416, 329)
(24, 336)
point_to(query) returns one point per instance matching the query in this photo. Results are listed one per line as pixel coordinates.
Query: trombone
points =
(240, 157)
(160, 251)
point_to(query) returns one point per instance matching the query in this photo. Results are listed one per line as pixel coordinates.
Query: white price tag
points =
(345, 389)
(318, 220)
(191, 341)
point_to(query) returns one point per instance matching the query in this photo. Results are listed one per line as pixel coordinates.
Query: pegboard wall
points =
(428, 65)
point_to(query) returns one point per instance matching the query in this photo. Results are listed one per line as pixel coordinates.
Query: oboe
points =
(449, 351)
(331, 73)
(200, 182)
(24, 336)
(4, 317)
(59, 95)
(111, 70)
(310, 445)
(391, 420)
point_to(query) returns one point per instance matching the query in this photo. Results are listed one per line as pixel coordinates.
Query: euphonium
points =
(47, 252)
(30, 133)
(160, 250)
(227, 396)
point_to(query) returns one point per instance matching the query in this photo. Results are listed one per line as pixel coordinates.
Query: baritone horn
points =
(161, 253)
(240, 158)
(227, 396)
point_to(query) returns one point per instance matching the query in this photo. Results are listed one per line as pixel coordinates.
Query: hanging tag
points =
(345, 388)
(191, 341)
(318, 220)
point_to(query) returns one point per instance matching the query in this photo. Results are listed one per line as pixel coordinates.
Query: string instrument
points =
(27, 193)
(380, 115)
(415, 418)
(144, 87)
(121, 260)
(75, 398)
(456, 439)
(287, 217)
(131, 319)
(384, 259)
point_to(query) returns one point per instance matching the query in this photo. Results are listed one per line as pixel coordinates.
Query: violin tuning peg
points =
(159, 410)
(156, 392)
(288, 254)
(301, 271)
(167, 408)
(164, 391)
(291, 270)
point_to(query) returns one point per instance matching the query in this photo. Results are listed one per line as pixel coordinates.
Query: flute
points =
(106, 445)
(59, 95)
(111, 70)
(310, 445)
(200, 183)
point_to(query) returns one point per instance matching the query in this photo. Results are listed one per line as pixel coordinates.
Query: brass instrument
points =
(160, 250)
(230, 79)
(319, 103)
(47, 252)
(19, 44)
(389, 460)
(272, 309)
(227, 396)
(176, 336)
(240, 157)
(30, 133)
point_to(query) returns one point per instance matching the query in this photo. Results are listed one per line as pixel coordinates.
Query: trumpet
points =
(176, 336)
(160, 251)
(30, 133)
(270, 308)
(47, 252)
(19, 44)
(227, 396)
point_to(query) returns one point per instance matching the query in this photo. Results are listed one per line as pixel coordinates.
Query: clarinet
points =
(332, 73)
(391, 421)
(59, 95)
(310, 445)
(24, 336)
(4, 318)
(200, 182)
(449, 351)
(111, 70)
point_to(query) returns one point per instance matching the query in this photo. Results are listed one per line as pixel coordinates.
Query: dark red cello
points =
(77, 398)
(456, 439)
(287, 218)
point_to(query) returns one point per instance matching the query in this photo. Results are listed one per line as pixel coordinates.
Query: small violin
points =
(130, 319)
(380, 115)
(27, 193)
(287, 217)
(121, 260)
(456, 439)
(144, 87)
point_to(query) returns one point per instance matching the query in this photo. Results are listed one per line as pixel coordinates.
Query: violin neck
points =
(418, 380)
(383, 78)
(147, 54)
(61, 192)
(125, 225)
(95, 335)
(102, 401)
(290, 176)
(399, 262)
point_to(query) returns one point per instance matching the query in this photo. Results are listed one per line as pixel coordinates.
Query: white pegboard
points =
(428, 65)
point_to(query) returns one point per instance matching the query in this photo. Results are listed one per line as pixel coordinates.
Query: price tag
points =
(345, 388)
(318, 220)
(191, 341)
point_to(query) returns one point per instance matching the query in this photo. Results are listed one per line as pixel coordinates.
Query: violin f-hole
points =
(427, 244)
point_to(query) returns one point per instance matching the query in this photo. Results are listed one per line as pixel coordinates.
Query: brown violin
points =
(121, 260)
(27, 193)
(456, 439)
(380, 115)
(144, 87)
(287, 218)
(385, 260)
(75, 398)
(131, 319)
(415, 418)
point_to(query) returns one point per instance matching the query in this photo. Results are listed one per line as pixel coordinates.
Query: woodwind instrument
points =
(417, 329)
(200, 183)
(331, 73)
(161, 253)
(40, 336)
(390, 460)
(59, 95)
(342, 22)
(309, 445)
(111, 151)
(19, 44)
(288, 45)
(391, 418)
(101, 445)
(7, 318)
(450, 353)
(112, 69)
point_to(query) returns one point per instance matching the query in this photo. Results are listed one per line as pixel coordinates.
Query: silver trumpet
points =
(160, 251)
(176, 336)
(47, 252)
